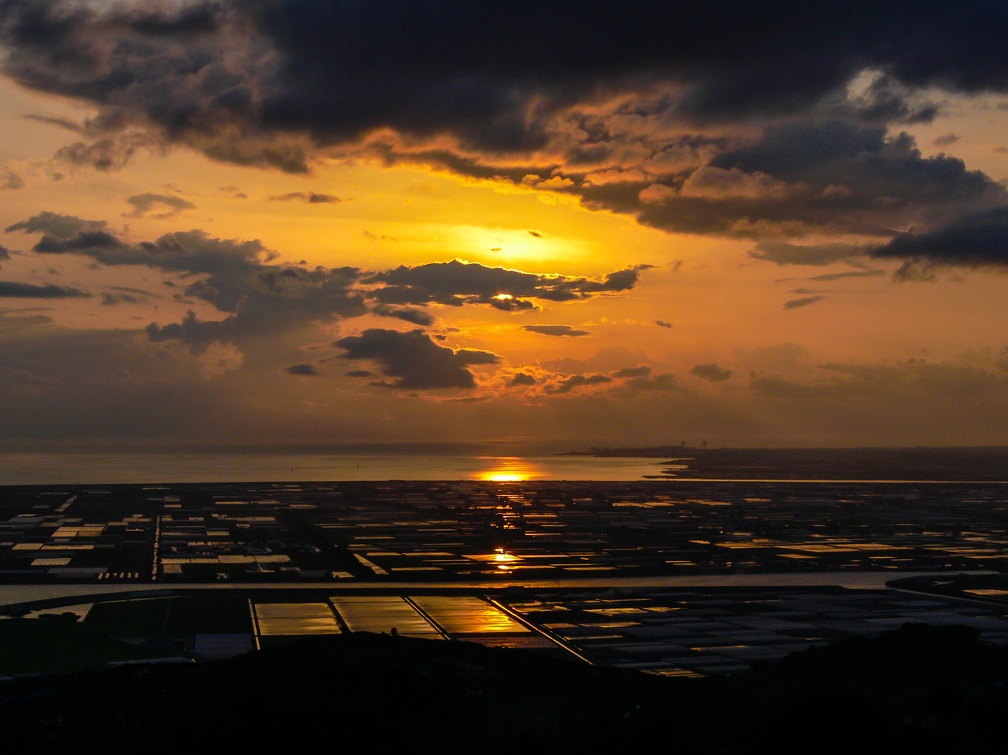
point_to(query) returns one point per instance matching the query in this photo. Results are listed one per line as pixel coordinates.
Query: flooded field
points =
(674, 577)
(296, 533)
(696, 631)
(383, 613)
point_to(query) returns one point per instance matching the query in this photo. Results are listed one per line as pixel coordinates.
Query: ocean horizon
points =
(39, 468)
(454, 463)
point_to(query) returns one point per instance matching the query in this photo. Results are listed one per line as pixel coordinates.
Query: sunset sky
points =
(634, 223)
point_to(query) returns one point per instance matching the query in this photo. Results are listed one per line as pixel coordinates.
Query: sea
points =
(142, 466)
(38, 468)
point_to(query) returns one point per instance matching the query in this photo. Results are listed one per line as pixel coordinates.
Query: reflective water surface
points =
(181, 467)
(383, 613)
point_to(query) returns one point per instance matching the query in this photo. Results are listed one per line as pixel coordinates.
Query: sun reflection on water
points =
(503, 559)
(508, 469)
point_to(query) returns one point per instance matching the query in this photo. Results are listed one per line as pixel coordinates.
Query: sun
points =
(502, 477)
(525, 249)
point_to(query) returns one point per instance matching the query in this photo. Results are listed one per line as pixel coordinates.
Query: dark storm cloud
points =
(14, 290)
(846, 162)
(886, 100)
(185, 23)
(974, 240)
(491, 72)
(556, 330)
(804, 175)
(413, 360)
(189, 83)
(456, 283)
(301, 369)
(663, 324)
(453, 64)
(710, 372)
(4, 253)
(507, 85)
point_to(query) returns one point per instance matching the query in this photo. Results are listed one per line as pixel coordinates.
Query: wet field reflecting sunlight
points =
(383, 613)
(468, 615)
(295, 619)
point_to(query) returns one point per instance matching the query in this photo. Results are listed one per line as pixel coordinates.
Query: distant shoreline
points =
(670, 451)
(937, 464)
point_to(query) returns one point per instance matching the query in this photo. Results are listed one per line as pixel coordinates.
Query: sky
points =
(562, 225)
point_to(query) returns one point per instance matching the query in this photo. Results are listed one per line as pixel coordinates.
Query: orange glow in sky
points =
(217, 229)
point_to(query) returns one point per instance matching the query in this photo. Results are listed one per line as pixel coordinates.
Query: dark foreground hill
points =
(918, 689)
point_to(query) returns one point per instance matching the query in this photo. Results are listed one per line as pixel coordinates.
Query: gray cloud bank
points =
(475, 69)
(978, 239)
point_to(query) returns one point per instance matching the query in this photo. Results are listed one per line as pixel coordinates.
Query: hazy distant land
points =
(868, 463)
